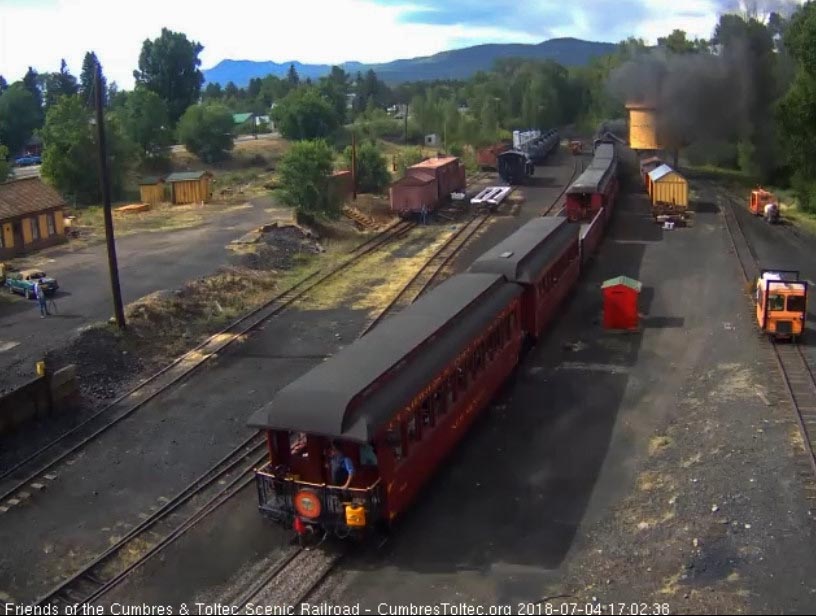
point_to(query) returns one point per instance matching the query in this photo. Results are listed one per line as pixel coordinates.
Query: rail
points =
(39, 463)
(577, 169)
(794, 367)
(430, 270)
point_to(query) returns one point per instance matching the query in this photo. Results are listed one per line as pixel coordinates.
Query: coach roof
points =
(409, 350)
(525, 254)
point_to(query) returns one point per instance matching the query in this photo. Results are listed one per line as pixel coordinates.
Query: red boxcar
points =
(394, 402)
(487, 158)
(647, 165)
(448, 171)
(410, 193)
(596, 187)
(543, 256)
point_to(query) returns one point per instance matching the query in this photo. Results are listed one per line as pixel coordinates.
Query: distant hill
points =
(454, 64)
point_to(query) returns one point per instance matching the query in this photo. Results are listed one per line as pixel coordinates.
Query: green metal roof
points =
(186, 176)
(240, 118)
(150, 180)
(625, 281)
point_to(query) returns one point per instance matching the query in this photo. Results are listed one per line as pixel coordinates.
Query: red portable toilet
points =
(620, 303)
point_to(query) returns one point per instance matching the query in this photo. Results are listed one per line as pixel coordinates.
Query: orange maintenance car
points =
(781, 303)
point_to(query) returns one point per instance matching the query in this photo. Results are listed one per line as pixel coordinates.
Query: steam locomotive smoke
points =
(696, 95)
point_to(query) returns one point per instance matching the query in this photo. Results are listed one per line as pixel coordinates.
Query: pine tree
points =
(292, 76)
(31, 81)
(3, 84)
(86, 79)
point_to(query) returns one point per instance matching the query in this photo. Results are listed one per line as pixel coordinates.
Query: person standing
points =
(39, 293)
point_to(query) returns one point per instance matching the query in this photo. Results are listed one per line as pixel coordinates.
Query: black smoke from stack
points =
(696, 96)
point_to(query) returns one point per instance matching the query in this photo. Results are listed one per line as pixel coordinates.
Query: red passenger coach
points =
(394, 403)
(596, 187)
(591, 235)
(543, 257)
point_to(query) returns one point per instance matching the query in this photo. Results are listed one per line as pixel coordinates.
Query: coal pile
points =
(276, 248)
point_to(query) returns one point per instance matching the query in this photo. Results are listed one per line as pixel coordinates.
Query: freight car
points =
(487, 157)
(542, 147)
(427, 185)
(596, 187)
(515, 166)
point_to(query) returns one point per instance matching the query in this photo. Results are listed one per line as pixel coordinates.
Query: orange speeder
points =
(781, 303)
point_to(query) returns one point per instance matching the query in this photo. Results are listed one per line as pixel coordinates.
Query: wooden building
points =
(151, 190)
(190, 187)
(31, 216)
(667, 186)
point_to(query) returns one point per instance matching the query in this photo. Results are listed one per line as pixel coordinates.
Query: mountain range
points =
(453, 64)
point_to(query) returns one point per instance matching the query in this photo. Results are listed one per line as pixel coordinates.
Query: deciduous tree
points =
(305, 114)
(70, 155)
(168, 66)
(304, 173)
(5, 167)
(206, 131)
(146, 123)
(371, 168)
(20, 115)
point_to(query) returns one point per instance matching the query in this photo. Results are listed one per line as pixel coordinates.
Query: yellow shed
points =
(668, 186)
(190, 187)
(151, 190)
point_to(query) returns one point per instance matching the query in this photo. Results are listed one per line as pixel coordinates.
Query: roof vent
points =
(506, 255)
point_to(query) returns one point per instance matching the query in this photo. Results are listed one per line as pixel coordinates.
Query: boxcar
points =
(448, 172)
(515, 166)
(542, 256)
(411, 193)
(394, 402)
(487, 157)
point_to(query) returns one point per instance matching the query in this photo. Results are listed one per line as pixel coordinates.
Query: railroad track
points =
(430, 270)
(577, 169)
(178, 515)
(293, 579)
(797, 373)
(35, 471)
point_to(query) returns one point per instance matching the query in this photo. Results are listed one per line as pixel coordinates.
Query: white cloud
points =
(40, 32)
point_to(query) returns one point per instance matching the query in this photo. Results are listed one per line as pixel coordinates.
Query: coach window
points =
(413, 430)
(427, 412)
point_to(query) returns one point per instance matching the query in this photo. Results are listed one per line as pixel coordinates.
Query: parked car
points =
(28, 160)
(23, 282)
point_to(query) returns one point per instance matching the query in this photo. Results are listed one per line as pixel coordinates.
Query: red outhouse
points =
(620, 303)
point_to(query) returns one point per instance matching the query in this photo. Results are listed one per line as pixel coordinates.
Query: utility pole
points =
(353, 167)
(104, 180)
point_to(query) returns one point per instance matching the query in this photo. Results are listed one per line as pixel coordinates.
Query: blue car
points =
(28, 160)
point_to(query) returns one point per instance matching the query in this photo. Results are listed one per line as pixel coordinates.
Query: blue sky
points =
(40, 32)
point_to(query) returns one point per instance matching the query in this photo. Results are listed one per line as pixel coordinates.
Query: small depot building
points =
(667, 186)
(151, 190)
(190, 187)
(620, 303)
(31, 216)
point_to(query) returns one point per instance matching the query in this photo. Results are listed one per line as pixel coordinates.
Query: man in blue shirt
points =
(341, 466)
